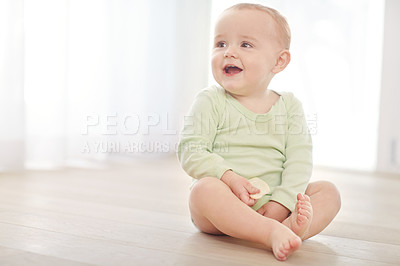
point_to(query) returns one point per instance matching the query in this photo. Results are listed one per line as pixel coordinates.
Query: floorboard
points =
(136, 214)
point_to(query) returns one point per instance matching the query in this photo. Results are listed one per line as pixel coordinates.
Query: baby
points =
(241, 129)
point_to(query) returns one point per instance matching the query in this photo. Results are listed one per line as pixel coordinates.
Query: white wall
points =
(389, 122)
(11, 84)
(82, 81)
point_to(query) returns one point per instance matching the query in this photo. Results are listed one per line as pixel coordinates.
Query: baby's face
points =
(245, 51)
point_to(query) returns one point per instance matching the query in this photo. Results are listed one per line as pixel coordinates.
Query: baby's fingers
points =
(244, 196)
(251, 189)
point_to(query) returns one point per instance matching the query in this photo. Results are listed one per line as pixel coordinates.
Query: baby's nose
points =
(230, 53)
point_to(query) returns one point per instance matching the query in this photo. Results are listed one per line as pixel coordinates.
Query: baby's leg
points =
(215, 209)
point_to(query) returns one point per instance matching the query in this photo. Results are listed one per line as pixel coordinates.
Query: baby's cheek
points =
(214, 63)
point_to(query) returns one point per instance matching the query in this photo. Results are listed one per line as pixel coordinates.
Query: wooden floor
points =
(136, 214)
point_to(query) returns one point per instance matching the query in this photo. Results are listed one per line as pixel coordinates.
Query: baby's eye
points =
(246, 45)
(220, 44)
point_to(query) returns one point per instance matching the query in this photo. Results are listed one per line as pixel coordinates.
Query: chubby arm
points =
(297, 166)
(195, 149)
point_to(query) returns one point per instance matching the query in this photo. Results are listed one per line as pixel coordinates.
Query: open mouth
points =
(232, 70)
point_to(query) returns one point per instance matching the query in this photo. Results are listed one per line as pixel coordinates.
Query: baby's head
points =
(251, 45)
(282, 29)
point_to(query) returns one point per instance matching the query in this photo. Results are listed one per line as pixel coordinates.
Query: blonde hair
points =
(281, 22)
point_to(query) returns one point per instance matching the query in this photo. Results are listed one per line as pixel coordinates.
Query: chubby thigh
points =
(206, 195)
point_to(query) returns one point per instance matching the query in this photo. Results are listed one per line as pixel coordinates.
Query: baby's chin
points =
(231, 85)
(232, 89)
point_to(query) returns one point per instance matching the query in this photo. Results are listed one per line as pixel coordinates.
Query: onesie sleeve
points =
(195, 149)
(297, 167)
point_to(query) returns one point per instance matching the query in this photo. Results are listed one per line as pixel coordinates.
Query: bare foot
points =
(300, 220)
(283, 242)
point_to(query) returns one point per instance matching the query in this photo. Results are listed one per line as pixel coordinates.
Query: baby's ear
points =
(282, 62)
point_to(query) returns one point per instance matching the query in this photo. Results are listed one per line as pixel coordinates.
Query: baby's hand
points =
(240, 186)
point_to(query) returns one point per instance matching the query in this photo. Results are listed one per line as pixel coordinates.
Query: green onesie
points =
(221, 134)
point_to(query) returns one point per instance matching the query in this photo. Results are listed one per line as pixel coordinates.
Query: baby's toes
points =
(286, 246)
(282, 253)
(285, 250)
(299, 196)
(301, 220)
(306, 198)
(302, 210)
(306, 207)
(306, 213)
